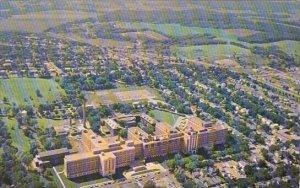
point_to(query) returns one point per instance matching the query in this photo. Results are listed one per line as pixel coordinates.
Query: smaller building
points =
(232, 169)
(285, 135)
(112, 126)
(147, 120)
(52, 158)
(145, 170)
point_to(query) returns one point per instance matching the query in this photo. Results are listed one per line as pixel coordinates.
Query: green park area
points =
(30, 91)
(21, 141)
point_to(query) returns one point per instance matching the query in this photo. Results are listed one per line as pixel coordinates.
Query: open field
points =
(121, 95)
(177, 30)
(22, 91)
(40, 21)
(144, 35)
(211, 52)
(164, 116)
(96, 42)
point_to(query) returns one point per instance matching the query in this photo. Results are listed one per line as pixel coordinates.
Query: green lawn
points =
(83, 181)
(44, 123)
(20, 90)
(164, 116)
(211, 52)
(19, 139)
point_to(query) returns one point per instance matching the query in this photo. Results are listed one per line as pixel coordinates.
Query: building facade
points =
(104, 155)
(199, 133)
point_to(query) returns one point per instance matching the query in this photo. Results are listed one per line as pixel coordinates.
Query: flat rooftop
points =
(79, 156)
(53, 152)
(196, 124)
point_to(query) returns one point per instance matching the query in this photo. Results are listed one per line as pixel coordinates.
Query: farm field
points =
(127, 95)
(210, 52)
(177, 30)
(22, 91)
(163, 116)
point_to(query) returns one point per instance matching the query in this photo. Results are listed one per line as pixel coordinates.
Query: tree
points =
(38, 93)
(264, 153)
(179, 175)
(171, 164)
(149, 184)
(280, 172)
(178, 160)
(262, 163)
(248, 170)
(122, 133)
(95, 127)
(27, 158)
(274, 147)
(189, 184)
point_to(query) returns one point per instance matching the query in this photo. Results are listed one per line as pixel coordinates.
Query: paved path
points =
(62, 183)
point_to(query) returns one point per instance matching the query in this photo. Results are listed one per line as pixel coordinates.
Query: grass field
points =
(20, 90)
(163, 116)
(211, 52)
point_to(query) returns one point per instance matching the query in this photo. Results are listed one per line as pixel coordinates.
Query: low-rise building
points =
(112, 126)
(232, 169)
(52, 157)
(147, 120)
